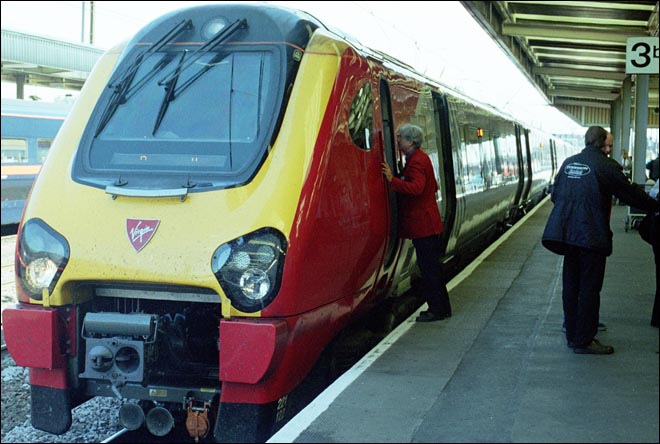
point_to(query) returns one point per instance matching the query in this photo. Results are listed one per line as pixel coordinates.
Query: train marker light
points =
(241, 260)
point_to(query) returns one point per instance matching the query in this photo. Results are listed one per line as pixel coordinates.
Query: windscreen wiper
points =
(162, 63)
(116, 100)
(169, 93)
(121, 90)
(170, 81)
(214, 41)
(216, 60)
(183, 25)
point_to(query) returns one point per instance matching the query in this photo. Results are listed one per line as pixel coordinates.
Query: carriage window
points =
(43, 145)
(360, 119)
(14, 151)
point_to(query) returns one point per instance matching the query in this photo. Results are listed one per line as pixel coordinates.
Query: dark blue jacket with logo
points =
(582, 194)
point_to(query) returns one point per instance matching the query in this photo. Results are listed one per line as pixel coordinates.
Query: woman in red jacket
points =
(420, 218)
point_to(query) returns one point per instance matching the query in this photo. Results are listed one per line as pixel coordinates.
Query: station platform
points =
(499, 369)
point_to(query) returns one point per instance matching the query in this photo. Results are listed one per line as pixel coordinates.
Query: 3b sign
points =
(642, 55)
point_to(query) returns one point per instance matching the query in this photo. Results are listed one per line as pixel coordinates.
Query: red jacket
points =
(418, 210)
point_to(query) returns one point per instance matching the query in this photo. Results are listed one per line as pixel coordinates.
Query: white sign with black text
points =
(642, 55)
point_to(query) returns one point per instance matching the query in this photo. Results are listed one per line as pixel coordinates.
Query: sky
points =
(438, 39)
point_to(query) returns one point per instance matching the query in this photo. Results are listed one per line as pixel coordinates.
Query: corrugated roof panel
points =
(46, 52)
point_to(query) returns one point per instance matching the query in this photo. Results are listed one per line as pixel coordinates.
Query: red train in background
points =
(212, 217)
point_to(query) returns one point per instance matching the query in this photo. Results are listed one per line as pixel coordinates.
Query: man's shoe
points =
(594, 348)
(428, 316)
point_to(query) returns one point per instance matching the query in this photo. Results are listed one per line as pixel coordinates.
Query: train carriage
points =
(226, 217)
(28, 129)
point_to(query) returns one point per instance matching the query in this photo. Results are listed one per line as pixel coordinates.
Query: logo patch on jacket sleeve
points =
(140, 232)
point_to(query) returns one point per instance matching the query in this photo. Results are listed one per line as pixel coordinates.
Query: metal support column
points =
(615, 126)
(20, 86)
(641, 125)
(625, 115)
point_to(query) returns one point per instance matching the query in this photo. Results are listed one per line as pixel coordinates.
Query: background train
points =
(213, 217)
(27, 129)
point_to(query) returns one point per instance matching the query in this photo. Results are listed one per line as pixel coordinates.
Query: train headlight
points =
(254, 284)
(249, 268)
(40, 273)
(41, 256)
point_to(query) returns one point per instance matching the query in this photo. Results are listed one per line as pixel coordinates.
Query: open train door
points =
(389, 147)
(524, 182)
(446, 168)
(527, 167)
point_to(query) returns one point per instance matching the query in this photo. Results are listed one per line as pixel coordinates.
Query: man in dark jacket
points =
(579, 229)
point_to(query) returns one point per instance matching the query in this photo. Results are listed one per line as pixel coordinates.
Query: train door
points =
(553, 159)
(527, 167)
(389, 146)
(521, 169)
(447, 178)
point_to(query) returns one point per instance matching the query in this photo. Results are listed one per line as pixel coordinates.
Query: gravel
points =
(93, 421)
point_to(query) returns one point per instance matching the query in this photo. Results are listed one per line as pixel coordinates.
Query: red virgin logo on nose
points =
(140, 231)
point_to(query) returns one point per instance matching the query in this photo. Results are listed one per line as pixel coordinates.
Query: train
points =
(28, 129)
(212, 217)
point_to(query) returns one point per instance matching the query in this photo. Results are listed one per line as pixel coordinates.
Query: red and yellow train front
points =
(204, 225)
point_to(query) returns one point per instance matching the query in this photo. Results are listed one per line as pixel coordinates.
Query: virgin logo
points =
(140, 232)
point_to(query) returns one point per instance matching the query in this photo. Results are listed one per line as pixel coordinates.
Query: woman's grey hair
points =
(412, 133)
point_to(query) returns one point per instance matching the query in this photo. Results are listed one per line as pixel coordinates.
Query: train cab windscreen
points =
(194, 105)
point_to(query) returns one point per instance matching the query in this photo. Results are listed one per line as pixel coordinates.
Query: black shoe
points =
(594, 348)
(428, 316)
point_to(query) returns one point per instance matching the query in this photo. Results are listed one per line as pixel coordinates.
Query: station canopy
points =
(40, 61)
(573, 51)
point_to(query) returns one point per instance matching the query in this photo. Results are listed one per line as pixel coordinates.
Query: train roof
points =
(405, 69)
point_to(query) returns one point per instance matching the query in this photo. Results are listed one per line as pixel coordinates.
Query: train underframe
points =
(160, 357)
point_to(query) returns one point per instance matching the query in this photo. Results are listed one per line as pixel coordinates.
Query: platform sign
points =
(642, 55)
